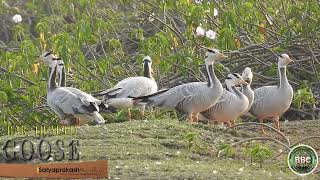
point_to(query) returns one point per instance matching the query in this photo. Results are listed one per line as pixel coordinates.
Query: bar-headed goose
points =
(65, 103)
(272, 101)
(120, 95)
(103, 107)
(191, 98)
(231, 104)
(247, 75)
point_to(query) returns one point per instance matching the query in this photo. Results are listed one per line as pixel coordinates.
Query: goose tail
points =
(110, 93)
(149, 99)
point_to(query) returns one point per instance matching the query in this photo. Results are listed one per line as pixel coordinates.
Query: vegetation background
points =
(103, 41)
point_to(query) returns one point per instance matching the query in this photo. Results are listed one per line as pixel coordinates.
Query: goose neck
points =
(147, 70)
(52, 78)
(212, 79)
(237, 92)
(282, 79)
(62, 77)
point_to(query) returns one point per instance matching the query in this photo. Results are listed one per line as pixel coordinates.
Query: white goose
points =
(191, 98)
(65, 103)
(120, 96)
(272, 101)
(231, 104)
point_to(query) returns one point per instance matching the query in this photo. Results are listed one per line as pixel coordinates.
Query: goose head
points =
(213, 55)
(247, 75)
(234, 79)
(60, 64)
(147, 62)
(284, 60)
(46, 57)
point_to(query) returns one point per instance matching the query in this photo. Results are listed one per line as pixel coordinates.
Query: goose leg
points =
(129, 115)
(277, 123)
(141, 110)
(262, 128)
(211, 123)
(190, 119)
(195, 118)
(220, 124)
(229, 124)
(77, 121)
(142, 113)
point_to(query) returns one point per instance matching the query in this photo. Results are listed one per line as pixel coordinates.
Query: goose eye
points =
(281, 56)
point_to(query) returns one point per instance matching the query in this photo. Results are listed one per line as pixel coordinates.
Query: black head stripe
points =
(236, 75)
(281, 56)
(210, 50)
(61, 64)
(47, 54)
(228, 77)
(56, 58)
(206, 57)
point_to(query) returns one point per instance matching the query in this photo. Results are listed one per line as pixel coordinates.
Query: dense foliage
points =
(103, 41)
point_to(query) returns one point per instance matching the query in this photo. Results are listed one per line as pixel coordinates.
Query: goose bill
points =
(290, 60)
(222, 56)
(247, 80)
(243, 82)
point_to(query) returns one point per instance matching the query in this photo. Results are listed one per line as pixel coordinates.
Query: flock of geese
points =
(206, 101)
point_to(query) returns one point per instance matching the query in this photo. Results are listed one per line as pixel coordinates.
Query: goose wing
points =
(263, 96)
(131, 87)
(70, 103)
(225, 99)
(177, 96)
(104, 107)
(80, 93)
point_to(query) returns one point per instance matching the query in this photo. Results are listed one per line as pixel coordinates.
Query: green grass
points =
(159, 149)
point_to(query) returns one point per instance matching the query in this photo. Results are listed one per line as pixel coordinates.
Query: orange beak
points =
(243, 82)
(222, 56)
(290, 60)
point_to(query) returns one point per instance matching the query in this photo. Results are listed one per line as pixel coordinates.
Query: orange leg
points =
(77, 122)
(142, 113)
(229, 124)
(195, 118)
(262, 128)
(233, 123)
(211, 123)
(277, 122)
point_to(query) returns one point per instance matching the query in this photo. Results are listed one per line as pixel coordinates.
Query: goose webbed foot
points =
(229, 124)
